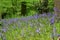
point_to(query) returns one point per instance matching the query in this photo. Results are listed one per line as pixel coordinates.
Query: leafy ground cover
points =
(36, 27)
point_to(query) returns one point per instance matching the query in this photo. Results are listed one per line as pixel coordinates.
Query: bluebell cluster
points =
(51, 18)
(56, 9)
(29, 21)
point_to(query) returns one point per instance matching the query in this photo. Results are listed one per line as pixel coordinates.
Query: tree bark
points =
(57, 8)
(23, 8)
(45, 6)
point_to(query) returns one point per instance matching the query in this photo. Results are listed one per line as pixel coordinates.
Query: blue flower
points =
(44, 14)
(11, 21)
(49, 14)
(4, 29)
(56, 9)
(38, 30)
(36, 16)
(52, 20)
(15, 20)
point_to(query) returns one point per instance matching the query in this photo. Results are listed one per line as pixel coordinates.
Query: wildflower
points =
(38, 30)
(52, 20)
(10, 21)
(44, 14)
(30, 17)
(23, 19)
(16, 19)
(56, 9)
(4, 29)
(49, 14)
(36, 16)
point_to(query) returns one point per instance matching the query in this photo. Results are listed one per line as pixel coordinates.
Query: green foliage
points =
(14, 6)
(51, 5)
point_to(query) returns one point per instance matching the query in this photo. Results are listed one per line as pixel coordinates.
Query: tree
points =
(45, 6)
(3, 13)
(57, 8)
(14, 6)
(0, 15)
(23, 8)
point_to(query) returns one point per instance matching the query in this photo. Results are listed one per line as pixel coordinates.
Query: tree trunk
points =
(23, 8)
(0, 16)
(57, 8)
(45, 6)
